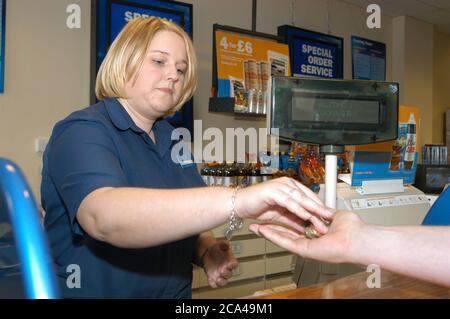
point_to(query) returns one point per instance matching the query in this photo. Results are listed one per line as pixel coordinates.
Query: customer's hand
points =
(334, 247)
(284, 201)
(219, 263)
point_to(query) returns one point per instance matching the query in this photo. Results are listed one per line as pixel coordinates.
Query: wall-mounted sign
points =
(2, 44)
(113, 15)
(368, 59)
(312, 53)
(244, 62)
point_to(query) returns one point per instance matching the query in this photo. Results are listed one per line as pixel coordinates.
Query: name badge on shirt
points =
(185, 161)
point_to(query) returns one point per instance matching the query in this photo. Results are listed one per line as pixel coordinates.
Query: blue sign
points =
(113, 15)
(121, 14)
(371, 166)
(315, 59)
(368, 59)
(2, 44)
(313, 54)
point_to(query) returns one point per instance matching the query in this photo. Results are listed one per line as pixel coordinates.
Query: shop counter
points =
(393, 286)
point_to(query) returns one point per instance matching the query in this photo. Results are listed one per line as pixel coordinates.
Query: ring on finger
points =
(325, 221)
(311, 233)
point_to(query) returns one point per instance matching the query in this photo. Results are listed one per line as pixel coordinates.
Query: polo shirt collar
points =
(119, 116)
(122, 120)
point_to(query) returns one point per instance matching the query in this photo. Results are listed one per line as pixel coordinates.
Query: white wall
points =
(46, 76)
(441, 81)
(413, 62)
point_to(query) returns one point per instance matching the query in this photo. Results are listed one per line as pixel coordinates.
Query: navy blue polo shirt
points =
(101, 146)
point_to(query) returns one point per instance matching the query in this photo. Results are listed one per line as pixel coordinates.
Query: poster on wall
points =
(368, 59)
(113, 15)
(390, 160)
(243, 65)
(2, 44)
(313, 54)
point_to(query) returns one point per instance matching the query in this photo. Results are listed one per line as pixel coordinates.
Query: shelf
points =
(225, 105)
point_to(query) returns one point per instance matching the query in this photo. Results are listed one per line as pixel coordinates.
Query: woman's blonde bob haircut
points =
(127, 53)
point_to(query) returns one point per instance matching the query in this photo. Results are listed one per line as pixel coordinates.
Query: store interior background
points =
(47, 73)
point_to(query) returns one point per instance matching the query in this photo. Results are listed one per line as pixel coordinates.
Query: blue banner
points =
(368, 59)
(313, 54)
(314, 59)
(122, 13)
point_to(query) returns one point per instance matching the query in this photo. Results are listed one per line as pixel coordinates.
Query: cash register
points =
(334, 114)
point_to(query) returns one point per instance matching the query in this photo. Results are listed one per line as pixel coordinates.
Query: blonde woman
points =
(116, 204)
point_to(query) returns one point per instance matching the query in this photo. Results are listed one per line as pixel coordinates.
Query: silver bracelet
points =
(235, 223)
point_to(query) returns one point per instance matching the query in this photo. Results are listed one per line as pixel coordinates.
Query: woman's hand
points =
(336, 246)
(219, 263)
(283, 201)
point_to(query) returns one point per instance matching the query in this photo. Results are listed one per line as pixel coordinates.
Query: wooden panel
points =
(279, 264)
(272, 248)
(278, 281)
(355, 286)
(248, 247)
(230, 291)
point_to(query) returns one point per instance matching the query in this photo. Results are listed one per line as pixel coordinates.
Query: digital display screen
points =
(335, 110)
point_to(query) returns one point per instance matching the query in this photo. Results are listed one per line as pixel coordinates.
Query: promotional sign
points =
(368, 59)
(113, 15)
(312, 53)
(2, 44)
(245, 64)
(390, 160)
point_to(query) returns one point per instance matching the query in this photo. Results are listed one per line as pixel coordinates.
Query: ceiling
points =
(436, 12)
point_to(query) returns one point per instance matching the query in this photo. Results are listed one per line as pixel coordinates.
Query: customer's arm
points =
(422, 252)
(417, 251)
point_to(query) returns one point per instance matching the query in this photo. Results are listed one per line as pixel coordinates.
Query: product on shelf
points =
(303, 162)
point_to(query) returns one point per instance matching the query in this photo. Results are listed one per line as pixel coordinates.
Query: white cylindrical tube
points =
(330, 180)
